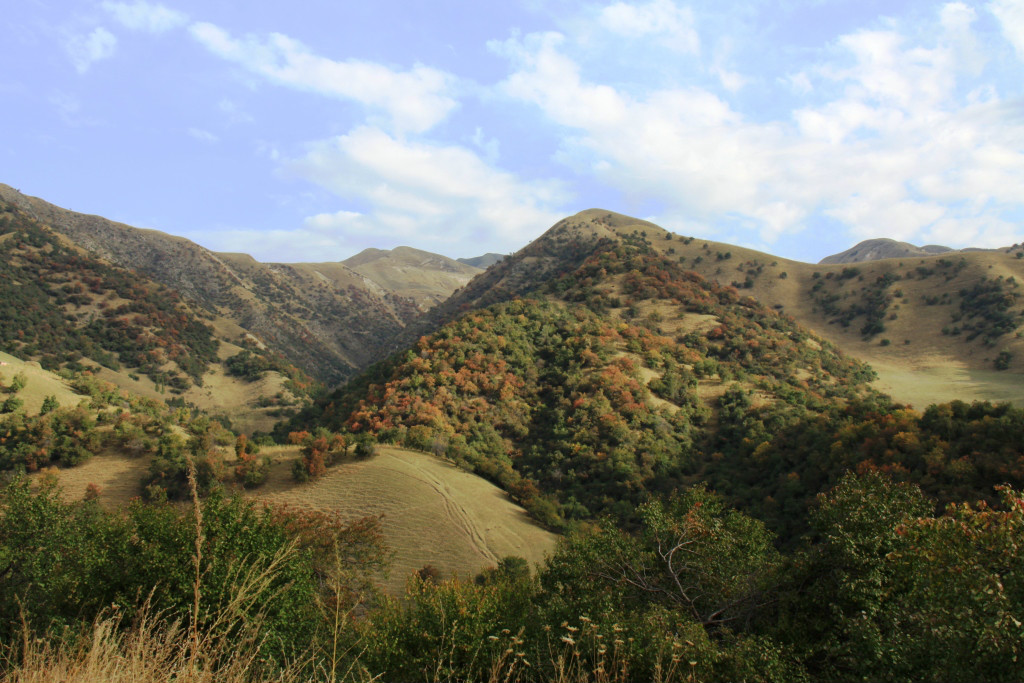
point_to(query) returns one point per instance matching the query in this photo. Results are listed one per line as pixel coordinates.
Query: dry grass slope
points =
(433, 512)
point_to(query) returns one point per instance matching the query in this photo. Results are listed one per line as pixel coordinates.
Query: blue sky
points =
(307, 131)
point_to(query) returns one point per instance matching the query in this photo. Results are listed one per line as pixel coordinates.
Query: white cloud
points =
(145, 16)
(339, 220)
(1010, 14)
(203, 135)
(233, 112)
(897, 149)
(415, 100)
(86, 50)
(425, 193)
(660, 18)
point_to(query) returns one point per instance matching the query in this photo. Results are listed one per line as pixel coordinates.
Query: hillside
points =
(327, 319)
(485, 261)
(883, 248)
(612, 392)
(67, 309)
(93, 441)
(604, 383)
(935, 328)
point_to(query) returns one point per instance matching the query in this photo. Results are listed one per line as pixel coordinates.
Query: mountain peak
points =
(883, 248)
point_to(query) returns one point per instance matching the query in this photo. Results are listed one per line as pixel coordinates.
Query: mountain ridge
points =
(328, 319)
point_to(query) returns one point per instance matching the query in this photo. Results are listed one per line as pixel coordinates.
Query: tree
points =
(961, 603)
(50, 404)
(710, 564)
(841, 608)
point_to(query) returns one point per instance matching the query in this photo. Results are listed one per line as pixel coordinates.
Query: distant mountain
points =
(424, 277)
(883, 248)
(485, 261)
(328, 319)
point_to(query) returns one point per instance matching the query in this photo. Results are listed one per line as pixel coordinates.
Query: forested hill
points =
(607, 381)
(60, 305)
(593, 381)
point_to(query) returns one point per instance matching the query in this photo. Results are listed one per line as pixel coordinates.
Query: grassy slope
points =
(433, 512)
(39, 383)
(932, 368)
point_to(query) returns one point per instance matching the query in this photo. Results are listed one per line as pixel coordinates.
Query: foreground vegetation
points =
(881, 589)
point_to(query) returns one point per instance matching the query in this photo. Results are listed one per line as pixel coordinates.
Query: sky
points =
(310, 130)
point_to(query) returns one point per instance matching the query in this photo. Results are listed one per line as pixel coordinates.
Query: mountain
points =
(484, 262)
(936, 328)
(595, 368)
(327, 319)
(426, 278)
(883, 248)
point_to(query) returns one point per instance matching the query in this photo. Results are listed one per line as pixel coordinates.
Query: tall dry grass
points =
(150, 651)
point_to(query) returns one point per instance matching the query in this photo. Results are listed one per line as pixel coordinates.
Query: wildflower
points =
(569, 640)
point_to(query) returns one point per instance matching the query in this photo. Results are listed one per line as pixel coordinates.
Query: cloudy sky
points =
(309, 130)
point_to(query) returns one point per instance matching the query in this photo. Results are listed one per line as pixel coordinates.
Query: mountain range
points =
(934, 325)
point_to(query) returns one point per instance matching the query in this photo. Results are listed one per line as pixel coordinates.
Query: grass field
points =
(433, 513)
(940, 383)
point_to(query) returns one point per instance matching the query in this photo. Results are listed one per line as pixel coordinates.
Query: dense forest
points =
(881, 589)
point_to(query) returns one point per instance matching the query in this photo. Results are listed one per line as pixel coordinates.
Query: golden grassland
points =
(433, 513)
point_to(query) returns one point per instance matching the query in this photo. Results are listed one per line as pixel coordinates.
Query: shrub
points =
(50, 404)
(12, 404)
(17, 383)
